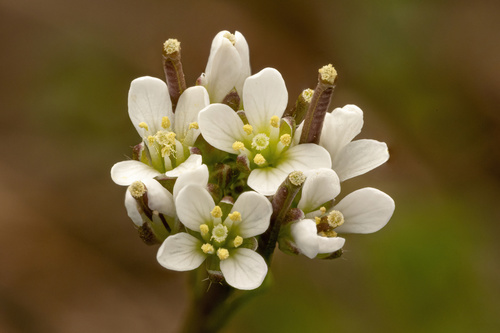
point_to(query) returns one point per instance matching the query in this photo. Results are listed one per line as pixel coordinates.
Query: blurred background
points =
(426, 74)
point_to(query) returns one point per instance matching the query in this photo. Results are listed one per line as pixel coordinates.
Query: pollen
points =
(171, 45)
(204, 229)
(317, 220)
(165, 138)
(230, 37)
(137, 189)
(335, 218)
(222, 253)
(216, 212)
(207, 248)
(328, 74)
(219, 233)
(166, 151)
(165, 122)
(144, 125)
(193, 125)
(322, 209)
(285, 139)
(275, 121)
(248, 129)
(235, 216)
(260, 141)
(259, 160)
(307, 94)
(238, 240)
(238, 145)
(297, 178)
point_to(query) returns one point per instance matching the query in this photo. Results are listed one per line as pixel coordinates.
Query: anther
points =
(238, 240)
(151, 139)
(260, 141)
(216, 212)
(165, 122)
(335, 218)
(144, 125)
(285, 139)
(137, 189)
(248, 129)
(204, 229)
(222, 253)
(171, 45)
(235, 216)
(322, 210)
(230, 37)
(193, 125)
(317, 220)
(328, 74)
(207, 248)
(238, 145)
(275, 121)
(259, 160)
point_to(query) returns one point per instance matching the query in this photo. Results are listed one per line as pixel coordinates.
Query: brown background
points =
(427, 75)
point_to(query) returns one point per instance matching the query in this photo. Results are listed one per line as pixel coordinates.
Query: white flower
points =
(166, 138)
(228, 65)
(363, 211)
(266, 142)
(219, 239)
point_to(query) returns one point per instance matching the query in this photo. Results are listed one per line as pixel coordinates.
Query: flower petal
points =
(192, 163)
(359, 157)
(126, 172)
(197, 176)
(194, 205)
(304, 157)
(191, 102)
(181, 252)
(266, 180)
(365, 211)
(321, 185)
(264, 96)
(241, 46)
(149, 102)
(340, 127)
(159, 198)
(330, 244)
(221, 127)
(305, 236)
(255, 210)
(244, 269)
(132, 208)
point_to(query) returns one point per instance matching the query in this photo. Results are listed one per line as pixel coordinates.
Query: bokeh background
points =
(426, 74)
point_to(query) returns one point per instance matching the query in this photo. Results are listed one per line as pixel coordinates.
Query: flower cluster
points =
(225, 171)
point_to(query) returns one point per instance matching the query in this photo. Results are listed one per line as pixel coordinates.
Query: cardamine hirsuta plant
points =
(225, 171)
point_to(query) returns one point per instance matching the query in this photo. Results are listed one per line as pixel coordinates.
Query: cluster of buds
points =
(225, 171)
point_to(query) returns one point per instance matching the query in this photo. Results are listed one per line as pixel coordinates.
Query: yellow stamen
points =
(335, 218)
(285, 139)
(317, 219)
(207, 248)
(248, 129)
(238, 145)
(238, 240)
(171, 45)
(328, 73)
(204, 229)
(259, 160)
(193, 125)
(235, 216)
(166, 150)
(322, 210)
(144, 125)
(216, 212)
(275, 121)
(151, 139)
(137, 189)
(222, 253)
(165, 122)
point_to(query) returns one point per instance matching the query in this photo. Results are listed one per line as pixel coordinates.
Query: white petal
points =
(304, 157)
(221, 127)
(266, 180)
(126, 172)
(340, 127)
(241, 46)
(132, 208)
(194, 205)
(149, 102)
(359, 157)
(181, 252)
(196, 176)
(223, 70)
(192, 163)
(330, 244)
(321, 185)
(256, 213)
(264, 96)
(244, 269)
(305, 236)
(159, 198)
(365, 211)
(191, 102)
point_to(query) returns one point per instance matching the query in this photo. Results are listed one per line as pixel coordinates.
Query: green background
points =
(426, 74)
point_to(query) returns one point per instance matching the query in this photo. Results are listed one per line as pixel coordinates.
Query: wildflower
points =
(224, 240)
(266, 141)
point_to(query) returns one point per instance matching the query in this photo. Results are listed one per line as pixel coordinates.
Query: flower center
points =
(219, 233)
(260, 141)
